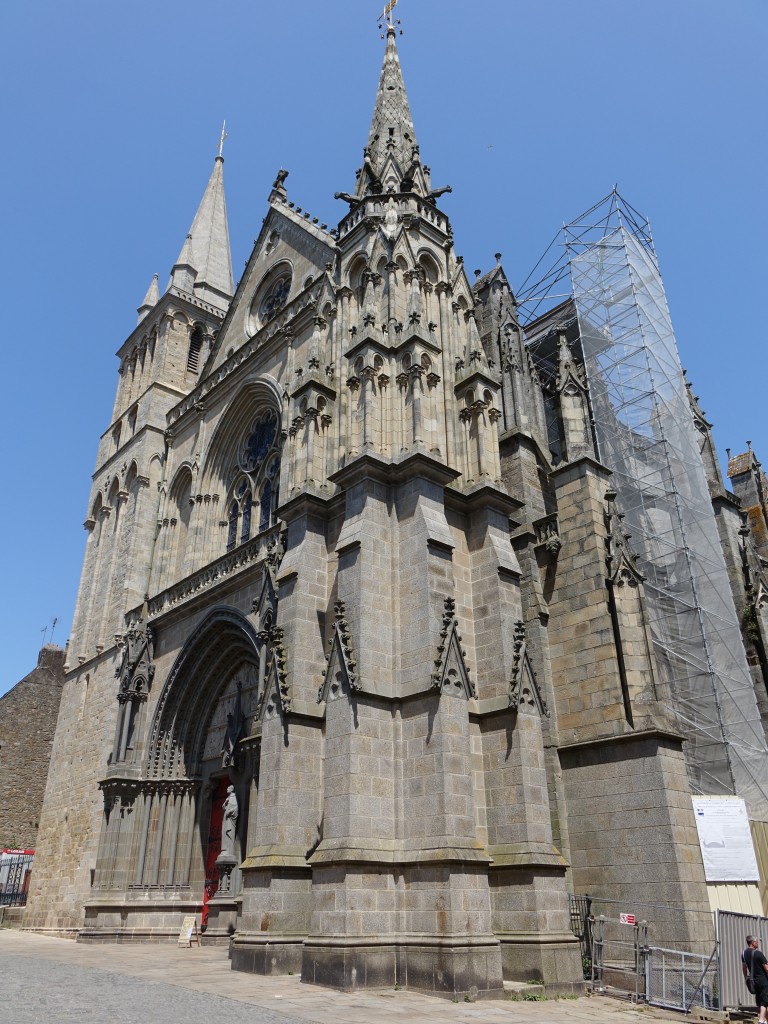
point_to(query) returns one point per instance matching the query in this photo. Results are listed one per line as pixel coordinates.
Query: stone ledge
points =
(623, 737)
(394, 852)
(266, 857)
(512, 855)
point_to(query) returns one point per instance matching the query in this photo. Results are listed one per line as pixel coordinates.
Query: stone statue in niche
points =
(229, 824)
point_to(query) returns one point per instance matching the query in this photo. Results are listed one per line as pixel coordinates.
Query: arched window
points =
(182, 495)
(253, 479)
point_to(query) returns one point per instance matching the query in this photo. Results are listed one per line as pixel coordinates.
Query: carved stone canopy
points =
(136, 669)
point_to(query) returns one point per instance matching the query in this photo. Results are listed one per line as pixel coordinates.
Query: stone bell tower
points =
(403, 825)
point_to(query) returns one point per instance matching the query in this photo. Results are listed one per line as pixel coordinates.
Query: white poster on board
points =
(725, 839)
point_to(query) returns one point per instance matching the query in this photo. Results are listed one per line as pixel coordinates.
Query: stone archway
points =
(153, 854)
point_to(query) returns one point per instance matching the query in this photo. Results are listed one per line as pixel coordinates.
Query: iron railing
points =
(15, 873)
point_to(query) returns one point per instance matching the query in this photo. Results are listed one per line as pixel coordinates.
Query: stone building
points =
(28, 714)
(353, 557)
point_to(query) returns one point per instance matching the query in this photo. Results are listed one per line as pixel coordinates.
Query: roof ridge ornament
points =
(224, 135)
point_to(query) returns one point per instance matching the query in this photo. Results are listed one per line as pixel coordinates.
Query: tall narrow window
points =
(232, 531)
(245, 530)
(265, 516)
(195, 348)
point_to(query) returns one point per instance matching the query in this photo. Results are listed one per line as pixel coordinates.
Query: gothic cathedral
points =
(360, 674)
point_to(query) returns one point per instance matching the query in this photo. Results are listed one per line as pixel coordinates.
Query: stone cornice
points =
(624, 737)
(482, 496)
(370, 466)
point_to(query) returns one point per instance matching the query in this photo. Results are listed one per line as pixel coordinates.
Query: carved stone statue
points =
(229, 824)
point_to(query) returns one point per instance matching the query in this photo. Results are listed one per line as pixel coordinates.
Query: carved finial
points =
(221, 140)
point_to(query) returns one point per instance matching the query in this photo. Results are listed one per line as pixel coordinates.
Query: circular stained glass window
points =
(275, 298)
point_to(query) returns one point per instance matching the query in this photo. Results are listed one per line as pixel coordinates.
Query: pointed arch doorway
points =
(160, 855)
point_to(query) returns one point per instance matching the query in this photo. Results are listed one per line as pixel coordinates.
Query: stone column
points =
(176, 797)
(147, 799)
(189, 836)
(154, 876)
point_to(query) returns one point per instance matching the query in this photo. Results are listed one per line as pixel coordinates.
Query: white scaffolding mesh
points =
(645, 434)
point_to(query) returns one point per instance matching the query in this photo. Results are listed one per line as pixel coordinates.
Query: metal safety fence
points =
(679, 980)
(616, 954)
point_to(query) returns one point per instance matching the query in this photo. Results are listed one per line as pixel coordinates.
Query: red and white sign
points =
(627, 919)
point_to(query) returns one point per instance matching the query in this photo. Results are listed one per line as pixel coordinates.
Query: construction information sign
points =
(725, 839)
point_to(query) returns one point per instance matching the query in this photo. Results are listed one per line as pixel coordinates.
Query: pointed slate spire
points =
(150, 299)
(392, 148)
(206, 247)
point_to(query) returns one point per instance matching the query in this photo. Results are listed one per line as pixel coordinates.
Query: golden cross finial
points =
(221, 140)
(386, 14)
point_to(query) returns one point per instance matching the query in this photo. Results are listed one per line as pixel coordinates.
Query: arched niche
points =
(224, 644)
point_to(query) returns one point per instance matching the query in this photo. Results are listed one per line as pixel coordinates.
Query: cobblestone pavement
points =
(56, 980)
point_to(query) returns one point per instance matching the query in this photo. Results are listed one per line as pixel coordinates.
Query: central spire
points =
(392, 154)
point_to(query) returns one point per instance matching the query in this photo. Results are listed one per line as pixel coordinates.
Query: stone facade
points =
(27, 723)
(332, 562)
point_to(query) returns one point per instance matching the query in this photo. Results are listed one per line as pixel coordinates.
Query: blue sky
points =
(530, 109)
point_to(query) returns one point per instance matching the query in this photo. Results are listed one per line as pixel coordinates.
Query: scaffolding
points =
(602, 277)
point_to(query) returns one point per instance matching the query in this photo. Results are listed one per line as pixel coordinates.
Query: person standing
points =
(755, 967)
